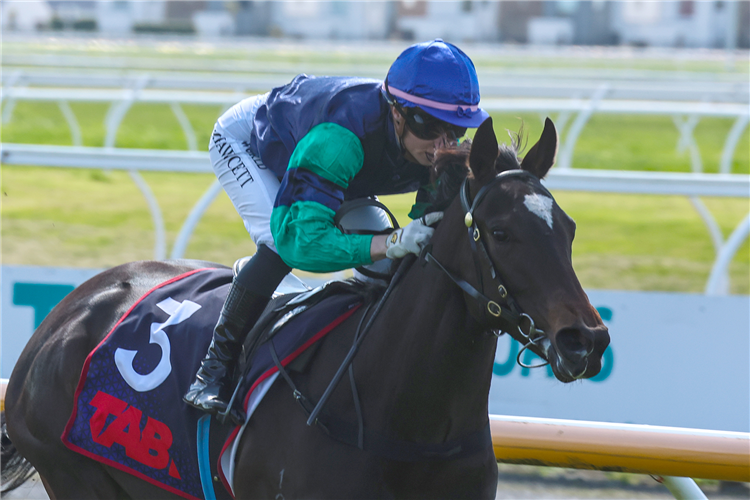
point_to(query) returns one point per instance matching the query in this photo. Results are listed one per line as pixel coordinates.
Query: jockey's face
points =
(418, 150)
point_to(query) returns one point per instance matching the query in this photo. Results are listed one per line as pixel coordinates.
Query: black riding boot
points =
(212, 389)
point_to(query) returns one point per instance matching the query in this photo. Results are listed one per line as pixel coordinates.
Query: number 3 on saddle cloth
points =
(128, 411)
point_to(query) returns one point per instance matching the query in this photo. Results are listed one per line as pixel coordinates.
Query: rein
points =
(506, 313)
(359, 336)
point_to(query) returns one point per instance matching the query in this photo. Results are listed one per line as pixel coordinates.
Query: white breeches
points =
(250, 185)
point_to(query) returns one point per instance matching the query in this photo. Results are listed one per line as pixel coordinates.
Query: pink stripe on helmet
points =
(427, 102)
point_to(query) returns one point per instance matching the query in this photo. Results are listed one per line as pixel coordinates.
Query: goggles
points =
(427, 127)
(422, 124)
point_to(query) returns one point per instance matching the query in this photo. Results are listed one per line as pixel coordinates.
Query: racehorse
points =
(500, 260)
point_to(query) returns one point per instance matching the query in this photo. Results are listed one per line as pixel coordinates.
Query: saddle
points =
(291, 299)
(283, 308)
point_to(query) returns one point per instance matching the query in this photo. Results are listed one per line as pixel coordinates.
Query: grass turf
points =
(90, 218)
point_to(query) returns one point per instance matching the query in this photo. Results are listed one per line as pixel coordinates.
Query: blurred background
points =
(698, 24)
(107, 108)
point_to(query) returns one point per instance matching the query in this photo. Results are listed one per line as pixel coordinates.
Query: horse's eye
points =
(500, 235)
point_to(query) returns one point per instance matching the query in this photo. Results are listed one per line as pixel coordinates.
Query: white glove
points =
(412, 238)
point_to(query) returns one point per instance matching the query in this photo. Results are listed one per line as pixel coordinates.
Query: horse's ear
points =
(541, 156)
(484, 152)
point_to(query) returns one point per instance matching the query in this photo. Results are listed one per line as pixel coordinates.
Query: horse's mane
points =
(451, 167)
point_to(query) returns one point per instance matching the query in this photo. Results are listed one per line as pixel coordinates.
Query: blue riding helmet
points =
(438, 78)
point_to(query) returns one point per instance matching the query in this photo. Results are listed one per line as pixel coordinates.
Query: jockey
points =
(289, 158)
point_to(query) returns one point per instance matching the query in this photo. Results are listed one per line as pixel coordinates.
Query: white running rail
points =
(603, 181)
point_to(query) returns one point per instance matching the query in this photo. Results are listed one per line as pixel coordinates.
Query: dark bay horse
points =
(423, 372)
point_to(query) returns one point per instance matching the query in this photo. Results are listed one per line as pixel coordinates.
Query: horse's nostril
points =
(573, 341)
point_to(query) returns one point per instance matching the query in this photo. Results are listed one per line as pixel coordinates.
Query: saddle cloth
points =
(128, 411)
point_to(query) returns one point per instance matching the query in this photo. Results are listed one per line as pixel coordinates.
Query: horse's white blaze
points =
(540, 205)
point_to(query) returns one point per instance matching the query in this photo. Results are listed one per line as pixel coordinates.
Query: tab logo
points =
(148, 446)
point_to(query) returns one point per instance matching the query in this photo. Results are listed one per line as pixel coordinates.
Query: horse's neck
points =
(436, 360)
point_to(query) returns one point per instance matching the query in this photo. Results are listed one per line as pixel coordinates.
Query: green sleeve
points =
(306, 239)
(320, 169)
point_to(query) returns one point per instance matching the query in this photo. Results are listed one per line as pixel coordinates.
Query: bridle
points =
(505, 315)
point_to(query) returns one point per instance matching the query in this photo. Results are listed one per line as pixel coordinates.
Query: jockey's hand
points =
(413, 237)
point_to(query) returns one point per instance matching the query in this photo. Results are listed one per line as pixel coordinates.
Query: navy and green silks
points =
(311, 192)
(356, 104)
(328, 139)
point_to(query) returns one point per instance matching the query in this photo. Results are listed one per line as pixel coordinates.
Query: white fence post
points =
(730, 145)
(683, 488)
(733, 244)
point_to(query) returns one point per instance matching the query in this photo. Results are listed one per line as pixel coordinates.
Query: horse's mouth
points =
(569, 372)
(576, 352)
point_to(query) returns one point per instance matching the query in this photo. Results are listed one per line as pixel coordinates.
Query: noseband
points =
(504, 314)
